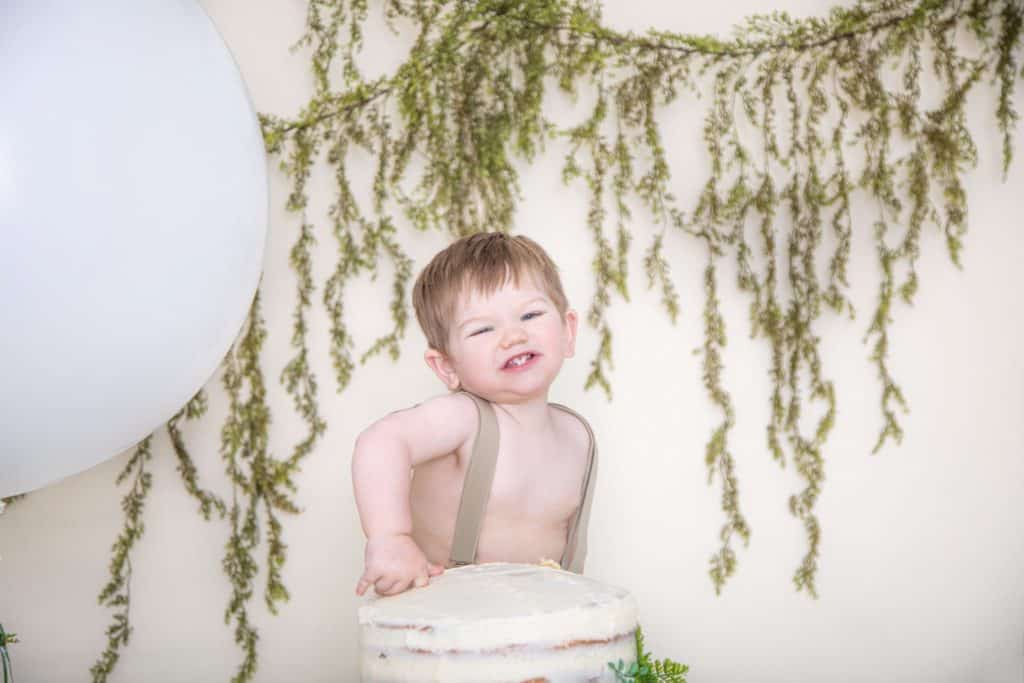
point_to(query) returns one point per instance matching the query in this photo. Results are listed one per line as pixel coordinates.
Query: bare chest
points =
(539, 481)
(537, 488)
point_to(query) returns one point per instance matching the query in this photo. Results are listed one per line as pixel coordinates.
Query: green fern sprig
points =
(647, 670)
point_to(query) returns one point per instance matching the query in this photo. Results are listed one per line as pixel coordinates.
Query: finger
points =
(434, 569)
(383, 586)
(399, 587)
(421, 581)
(368, 578)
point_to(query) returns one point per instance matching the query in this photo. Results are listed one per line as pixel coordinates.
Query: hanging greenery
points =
(117, 593)
(786, 101)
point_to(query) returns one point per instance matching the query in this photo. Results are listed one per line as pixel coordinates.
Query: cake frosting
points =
(498, 623)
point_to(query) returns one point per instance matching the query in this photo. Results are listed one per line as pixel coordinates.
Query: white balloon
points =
(133, 218)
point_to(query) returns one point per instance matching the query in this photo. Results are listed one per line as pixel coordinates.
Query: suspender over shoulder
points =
(476, 492)
(476, 487)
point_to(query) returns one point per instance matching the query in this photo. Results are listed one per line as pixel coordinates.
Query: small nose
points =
(512, 336)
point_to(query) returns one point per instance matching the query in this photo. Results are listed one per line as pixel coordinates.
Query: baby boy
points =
(498, 327)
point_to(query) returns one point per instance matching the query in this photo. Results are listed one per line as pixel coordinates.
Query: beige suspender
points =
(476, 488)
(576, 545)
(476, 491)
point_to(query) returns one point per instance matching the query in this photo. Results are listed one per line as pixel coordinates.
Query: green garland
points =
(469, 99)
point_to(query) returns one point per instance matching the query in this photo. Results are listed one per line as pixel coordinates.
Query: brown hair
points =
(481, 262)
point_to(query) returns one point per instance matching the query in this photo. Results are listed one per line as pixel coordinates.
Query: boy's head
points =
(471, 302)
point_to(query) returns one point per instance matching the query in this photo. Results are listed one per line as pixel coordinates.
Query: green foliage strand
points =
(117, 593)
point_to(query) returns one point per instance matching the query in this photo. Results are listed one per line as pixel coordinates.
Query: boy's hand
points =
(394, 563)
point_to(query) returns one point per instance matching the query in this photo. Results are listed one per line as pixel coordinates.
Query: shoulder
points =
(437, 426)
(453, 411)
(574, 427)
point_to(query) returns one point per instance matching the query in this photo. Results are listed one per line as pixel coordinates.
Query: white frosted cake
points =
(498, 622)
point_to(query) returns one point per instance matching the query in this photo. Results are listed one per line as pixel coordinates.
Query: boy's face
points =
(486, 332)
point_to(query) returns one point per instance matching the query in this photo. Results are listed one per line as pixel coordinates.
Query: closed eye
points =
(527, 316)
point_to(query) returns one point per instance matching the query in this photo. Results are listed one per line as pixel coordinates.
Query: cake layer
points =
(499, 622)
(570, 663)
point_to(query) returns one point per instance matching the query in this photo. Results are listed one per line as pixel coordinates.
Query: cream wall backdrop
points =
(923, 545)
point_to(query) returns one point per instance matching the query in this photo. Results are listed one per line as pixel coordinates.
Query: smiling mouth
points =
(519, 361)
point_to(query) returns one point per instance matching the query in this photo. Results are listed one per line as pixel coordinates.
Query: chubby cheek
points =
(476, 362)
(483, 366)
(557, 341)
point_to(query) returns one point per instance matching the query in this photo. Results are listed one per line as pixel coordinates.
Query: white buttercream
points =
(498, 622)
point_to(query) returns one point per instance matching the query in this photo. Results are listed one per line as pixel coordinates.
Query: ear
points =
(443, 368)
(571, 323)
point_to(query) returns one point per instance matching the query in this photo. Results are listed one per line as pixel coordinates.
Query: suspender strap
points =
(576, 544)
(476, 489)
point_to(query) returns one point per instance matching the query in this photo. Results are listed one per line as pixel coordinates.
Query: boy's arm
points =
(384, 454)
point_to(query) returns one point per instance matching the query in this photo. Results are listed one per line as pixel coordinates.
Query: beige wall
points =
(923, 545)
